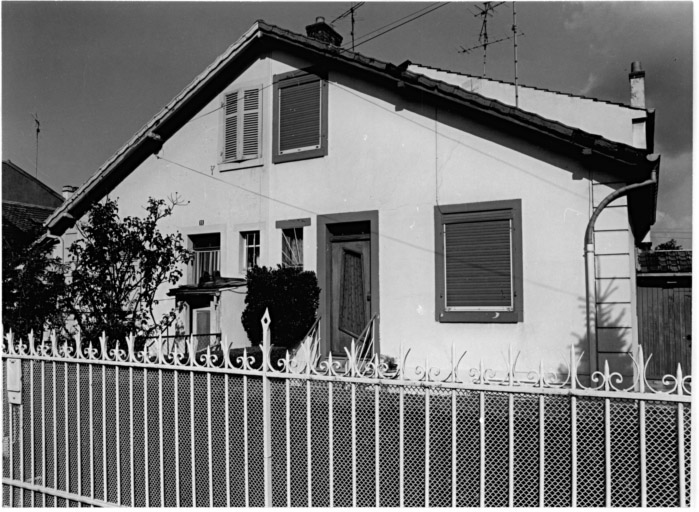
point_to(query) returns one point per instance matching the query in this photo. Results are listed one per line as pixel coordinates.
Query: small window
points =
(300, 116)
(207, 256)
(250, 241)
(242, 125)
(292, 247)
(479, 262)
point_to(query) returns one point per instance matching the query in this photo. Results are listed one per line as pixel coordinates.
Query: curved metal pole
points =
(590, 298)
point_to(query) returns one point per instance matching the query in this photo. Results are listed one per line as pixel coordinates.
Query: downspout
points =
(590, 292)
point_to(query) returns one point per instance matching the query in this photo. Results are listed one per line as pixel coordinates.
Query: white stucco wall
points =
(401, 159)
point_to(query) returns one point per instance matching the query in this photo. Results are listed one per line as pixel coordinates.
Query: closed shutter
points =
(230, 142)
(251, 123)
(242, 131)
(300, 116)
(478, 263)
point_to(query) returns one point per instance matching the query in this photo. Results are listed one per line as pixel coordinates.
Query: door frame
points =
(324, 262)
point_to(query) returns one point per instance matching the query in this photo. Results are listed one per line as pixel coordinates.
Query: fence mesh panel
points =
(278, 406)
(526, 451)
(184, 432)
(85, 468)
(366, 446)
(414, 447)
(169, 450)
(496, 450)
(350, 456)
(590, 428)
(389, 447)
(468, 448)
(342, 445)
(201, 440)
(688, 453)
(141, 464)
(218, 440)
(557, 455)
(625, 484)
(236, 438)
(38, 423)
(320, 462)
(440, 448)
(152, 420)
(662, 459)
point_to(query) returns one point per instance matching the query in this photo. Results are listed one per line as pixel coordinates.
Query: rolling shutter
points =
(300, 116)
(478, 262)
(242, 131)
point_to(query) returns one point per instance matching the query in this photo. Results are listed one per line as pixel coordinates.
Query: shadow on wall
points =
(612, 346)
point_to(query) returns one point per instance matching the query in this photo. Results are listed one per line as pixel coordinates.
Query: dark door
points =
(350, 297)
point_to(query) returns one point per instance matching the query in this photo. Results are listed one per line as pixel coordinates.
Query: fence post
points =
(266, 414)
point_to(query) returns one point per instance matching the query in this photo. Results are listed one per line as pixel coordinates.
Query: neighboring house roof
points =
(20, 186)
(664, 262)
(25, 216)
(262, 36)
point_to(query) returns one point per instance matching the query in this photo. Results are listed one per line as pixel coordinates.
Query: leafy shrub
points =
(290, 294)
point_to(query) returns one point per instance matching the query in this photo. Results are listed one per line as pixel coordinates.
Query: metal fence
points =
(123, 428)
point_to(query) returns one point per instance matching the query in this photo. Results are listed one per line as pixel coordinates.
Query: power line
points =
(396, 21)
(400, 25)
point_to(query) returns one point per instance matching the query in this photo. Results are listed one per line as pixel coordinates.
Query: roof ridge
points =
(31, 205)
(552, 91)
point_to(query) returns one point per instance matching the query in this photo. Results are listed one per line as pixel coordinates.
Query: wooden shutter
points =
(478, 263)
(242, 133)
(251, 124)
(300, 116)
(230, 141)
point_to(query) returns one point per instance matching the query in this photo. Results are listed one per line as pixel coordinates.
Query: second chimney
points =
(68, 191)
(321, 31)
(637, 79)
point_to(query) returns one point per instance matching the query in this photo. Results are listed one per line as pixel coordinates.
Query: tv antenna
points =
(38, 129)
(487, 11)
(349, 12)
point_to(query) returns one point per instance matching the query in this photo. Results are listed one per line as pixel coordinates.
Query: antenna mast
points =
(514, 37)
(38, 129)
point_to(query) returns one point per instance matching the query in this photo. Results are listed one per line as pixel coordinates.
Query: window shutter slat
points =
(300, 116)
(230, 143)
(242, 138)
(478, 263)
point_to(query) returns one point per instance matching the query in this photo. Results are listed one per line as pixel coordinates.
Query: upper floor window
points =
(300, 116)
(478, 249)
(242, 125)
(207, 256)
(250, 249)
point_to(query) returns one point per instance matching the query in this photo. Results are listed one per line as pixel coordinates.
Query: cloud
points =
(589, 85)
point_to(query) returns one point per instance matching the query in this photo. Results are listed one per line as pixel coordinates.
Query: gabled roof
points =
(261, 35)
(20, 219)
(664, 262)
(11, 171)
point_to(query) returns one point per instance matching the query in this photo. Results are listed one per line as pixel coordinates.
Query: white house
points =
(423, 196)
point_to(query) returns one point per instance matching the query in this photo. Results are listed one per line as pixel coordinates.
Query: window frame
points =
(514, 314)
(241, 163)
(244, 248)
(294, 78)
(193, 245)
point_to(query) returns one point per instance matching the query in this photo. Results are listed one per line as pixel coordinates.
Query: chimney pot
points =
(637, 83)
(323, 32)
(68, 191)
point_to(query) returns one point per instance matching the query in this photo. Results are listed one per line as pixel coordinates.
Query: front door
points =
(350, 297)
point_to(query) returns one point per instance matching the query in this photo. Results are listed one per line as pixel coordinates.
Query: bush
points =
(290, 294)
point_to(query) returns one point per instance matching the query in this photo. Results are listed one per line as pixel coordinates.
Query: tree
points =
(291, 295)
(118, 265)
(33, 284)
(670, 245)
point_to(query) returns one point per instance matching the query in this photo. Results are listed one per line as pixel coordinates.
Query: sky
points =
(95, 72)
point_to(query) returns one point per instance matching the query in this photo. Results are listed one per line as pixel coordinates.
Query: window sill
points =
(481, 317)
(237, 166)
(300, 155)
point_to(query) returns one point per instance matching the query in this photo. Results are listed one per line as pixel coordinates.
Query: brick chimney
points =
(68, 191)
(637, 81)
(321, 31)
